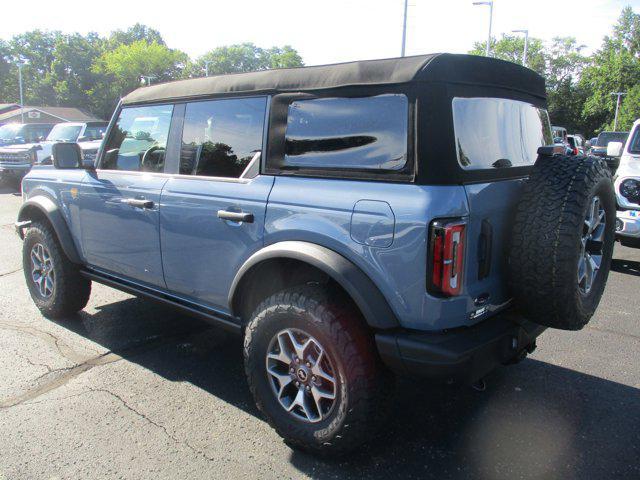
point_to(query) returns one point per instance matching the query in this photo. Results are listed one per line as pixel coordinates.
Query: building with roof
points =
(12, 113)
(5, 107)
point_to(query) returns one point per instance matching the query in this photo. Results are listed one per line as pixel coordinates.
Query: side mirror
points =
(66, 155)
(614, 149)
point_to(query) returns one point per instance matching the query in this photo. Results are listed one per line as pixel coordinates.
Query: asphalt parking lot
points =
(129, 389)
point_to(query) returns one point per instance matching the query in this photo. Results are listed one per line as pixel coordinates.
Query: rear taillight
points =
(575, 151)
(446, 259)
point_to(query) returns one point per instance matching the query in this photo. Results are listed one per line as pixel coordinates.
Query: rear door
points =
(120, 201)
(212, 214)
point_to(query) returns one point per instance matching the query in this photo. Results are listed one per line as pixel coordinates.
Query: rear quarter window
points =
(348, 133)
(498, 133)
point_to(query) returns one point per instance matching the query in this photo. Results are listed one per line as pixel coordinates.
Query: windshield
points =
(9, 132)
(605, 137)
(64, 133)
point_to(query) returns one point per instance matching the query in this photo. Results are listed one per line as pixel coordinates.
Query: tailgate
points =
(491, 209)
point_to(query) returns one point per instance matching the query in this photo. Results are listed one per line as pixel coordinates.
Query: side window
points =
(498, 133)
(220, 137)
(343, 133)
(138, 140)
(94, 132)
(31, 134)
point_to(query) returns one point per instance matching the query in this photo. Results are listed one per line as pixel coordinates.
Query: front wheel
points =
(314, 372)
(55, 283)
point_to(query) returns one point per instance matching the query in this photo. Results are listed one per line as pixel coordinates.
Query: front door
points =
(212, 215)
(120, 201)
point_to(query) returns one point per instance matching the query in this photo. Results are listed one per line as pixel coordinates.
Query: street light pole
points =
(526, 45)
(615, 120)
(404, 27)
(490, 3)
(20, 65)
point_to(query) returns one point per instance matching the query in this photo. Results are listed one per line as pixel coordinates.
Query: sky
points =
(323, 31)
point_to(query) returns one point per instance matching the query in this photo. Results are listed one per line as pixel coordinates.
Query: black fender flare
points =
(356, 283)
(50, 210)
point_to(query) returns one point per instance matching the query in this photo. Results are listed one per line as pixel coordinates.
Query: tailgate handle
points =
(484, 249)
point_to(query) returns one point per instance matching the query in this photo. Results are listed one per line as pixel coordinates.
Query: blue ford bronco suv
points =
(353, 222)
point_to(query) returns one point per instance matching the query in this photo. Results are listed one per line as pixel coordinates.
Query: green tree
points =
(245, 57)
(615, 68)
(37, 50)
(70, 78)
(511, 48)
(120, 70)
(134, 34)
(630, 108)
(8, 76)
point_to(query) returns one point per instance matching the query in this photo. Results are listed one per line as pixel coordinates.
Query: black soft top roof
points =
(438, 67)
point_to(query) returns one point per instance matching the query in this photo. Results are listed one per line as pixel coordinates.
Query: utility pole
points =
(615, 121)
(206, 67)
(20, 64)
(490, 3)
(404, 28)
(146, 79)
(526, 45)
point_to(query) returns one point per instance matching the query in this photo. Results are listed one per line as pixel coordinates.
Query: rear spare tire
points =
(562, 241)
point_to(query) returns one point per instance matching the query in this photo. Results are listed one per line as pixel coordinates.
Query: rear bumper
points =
(463, 355)
(628, 223)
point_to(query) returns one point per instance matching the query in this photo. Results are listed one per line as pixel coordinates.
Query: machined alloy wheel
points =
(42, 271)
(592, 243)
(301, 374)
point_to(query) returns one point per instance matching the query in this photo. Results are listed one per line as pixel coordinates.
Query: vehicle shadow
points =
(535, 420)
(630, 267)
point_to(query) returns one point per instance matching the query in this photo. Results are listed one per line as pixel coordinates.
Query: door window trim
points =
(172, 161)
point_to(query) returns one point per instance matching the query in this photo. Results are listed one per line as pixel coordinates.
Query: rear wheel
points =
(55, 284)
(313, 370)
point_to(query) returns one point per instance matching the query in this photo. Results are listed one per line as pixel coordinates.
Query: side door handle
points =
(243, 217)
(138, 202)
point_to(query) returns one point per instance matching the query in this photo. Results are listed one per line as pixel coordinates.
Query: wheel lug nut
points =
(313, 378)
(292, 370)
(308, 364)
(297, 384)
(308, 388)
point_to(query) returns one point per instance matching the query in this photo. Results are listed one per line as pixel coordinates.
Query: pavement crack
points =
(10, 272)
(63, 349)
(154, 423)
(614, 332)
(69, 374)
